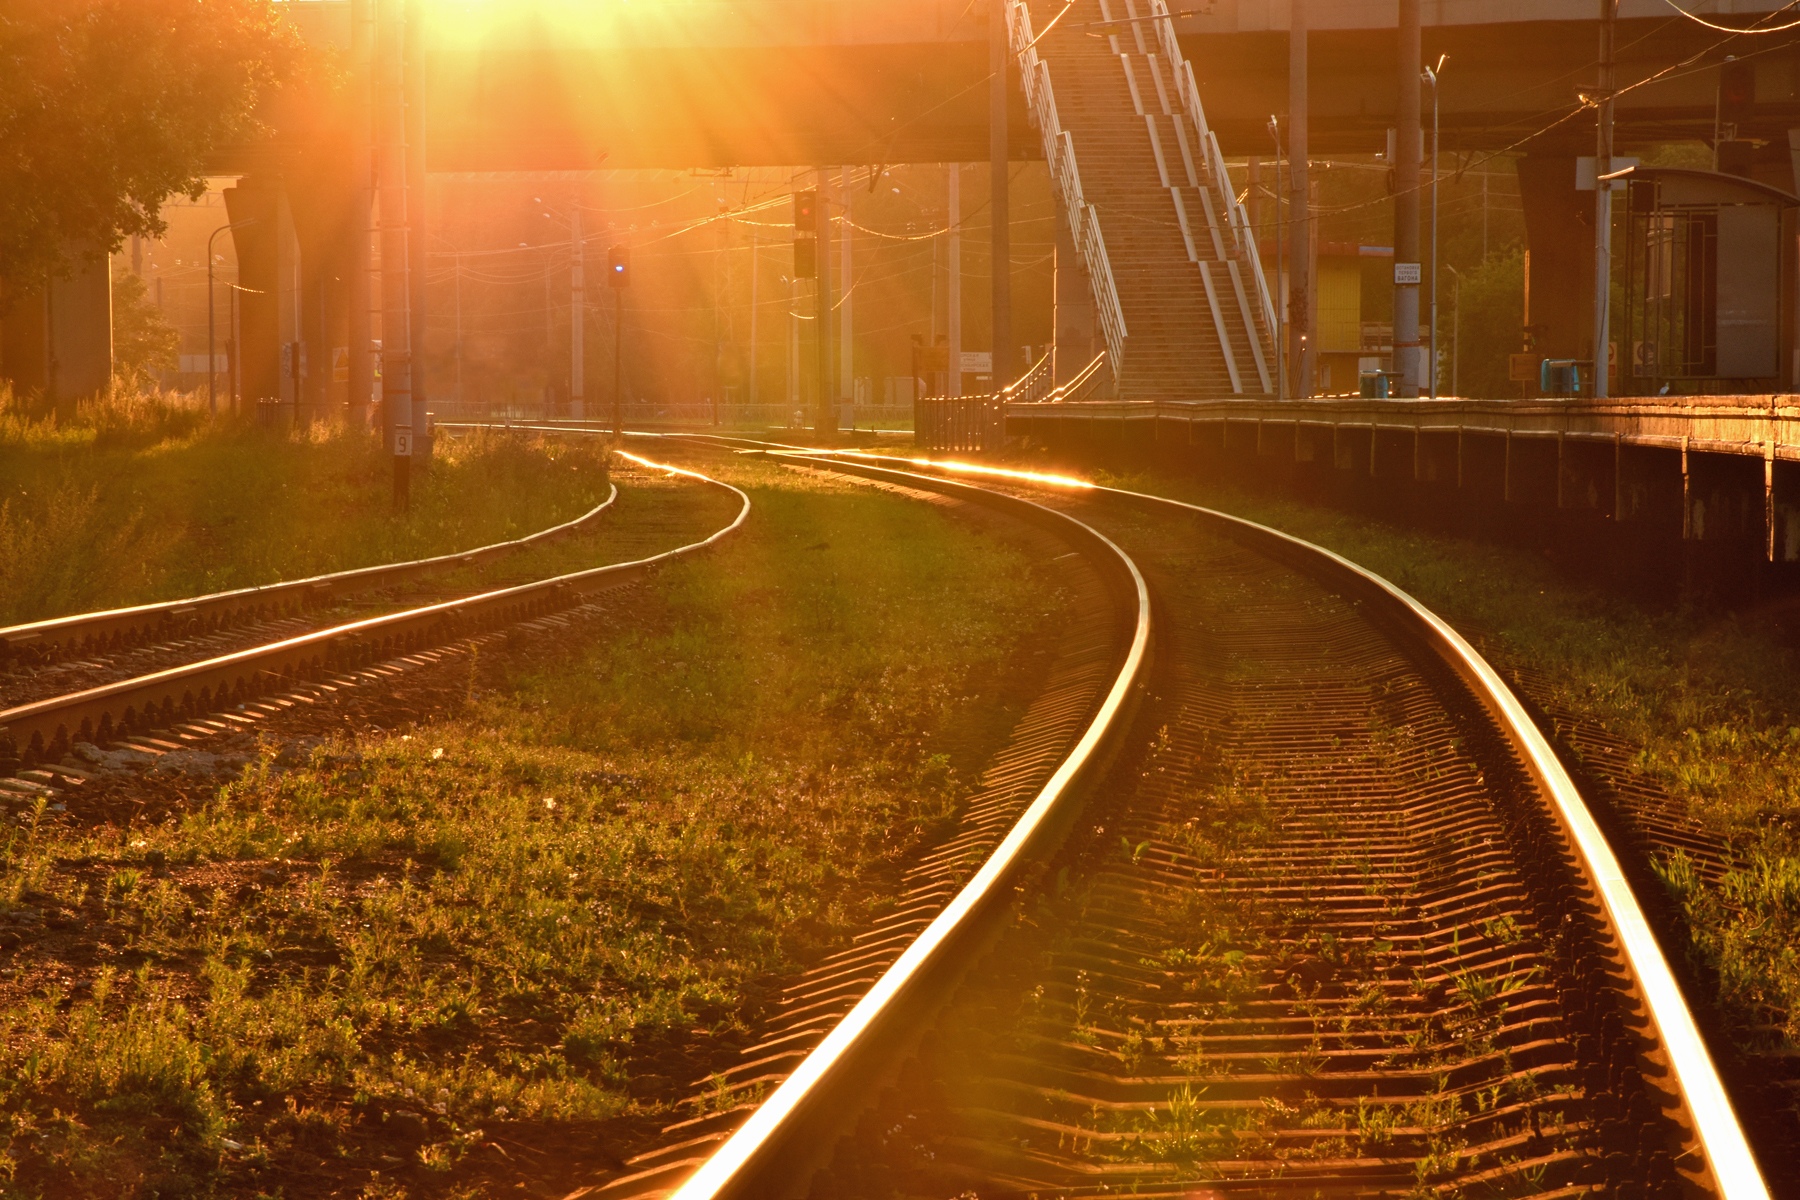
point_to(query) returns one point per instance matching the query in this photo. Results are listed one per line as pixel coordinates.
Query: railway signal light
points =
(806, 209)
(806, 258)
(618, 266)
(1737, 89)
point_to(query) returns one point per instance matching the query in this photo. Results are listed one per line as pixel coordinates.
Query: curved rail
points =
(39, 730)
(1729, 1163)
(1710, 1113)
(780, 1132)
(148, 620)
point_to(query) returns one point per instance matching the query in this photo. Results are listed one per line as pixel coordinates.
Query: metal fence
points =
(960, 422)
(977, 423)
(703, 415)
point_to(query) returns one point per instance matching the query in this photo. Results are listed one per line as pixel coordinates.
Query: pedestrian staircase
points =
(1183, 303)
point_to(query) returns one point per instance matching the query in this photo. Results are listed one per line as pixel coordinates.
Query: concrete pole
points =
(1407, 138)
(825, 422)
(1603, 147)
(1300, 304)
(577, 315)
(396, 313)
(413, 79)
(953, 375)
(1282, 328)
(752, 388)
(999, 55)
(846, 332)
(362, 213)
(1431, 366)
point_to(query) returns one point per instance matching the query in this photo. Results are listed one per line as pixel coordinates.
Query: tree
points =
(1492, 324)
(143, 339)
(108, 108)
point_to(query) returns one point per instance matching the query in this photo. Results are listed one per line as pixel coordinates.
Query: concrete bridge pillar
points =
(297, 265)
(1559, 229)
(56, 338)
(268, 254)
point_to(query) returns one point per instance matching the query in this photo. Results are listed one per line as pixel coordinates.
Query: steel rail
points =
(149, 620)
(1734, 1170)
(36, 731)
(1710, 1114)
(780, 1133)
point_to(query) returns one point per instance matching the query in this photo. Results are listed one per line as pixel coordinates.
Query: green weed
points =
(564, 907)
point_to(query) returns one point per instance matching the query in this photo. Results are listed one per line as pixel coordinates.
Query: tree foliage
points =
(143, 339)
(1491, 326)
(108, 108)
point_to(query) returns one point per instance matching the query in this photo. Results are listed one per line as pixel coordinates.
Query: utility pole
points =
(1603, 147)
(999, 185)
(459, 333)
(1300, 305)
(1407, 139)
(1281, 309)
(825, 421)
(618, 367)
(413, 83)
(618, 278)
(1455, 333)
(234, 365)
(752, 387)
(362, 214)
(212, 373)
(396, 311)
(953, 325)
(846, 331)
(1431, 76)
(577, 315)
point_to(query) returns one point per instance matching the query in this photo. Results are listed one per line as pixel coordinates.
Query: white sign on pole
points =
(1406, 272)
(978, 362)
(403, 441)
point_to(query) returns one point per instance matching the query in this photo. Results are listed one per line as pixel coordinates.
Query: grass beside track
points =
(1713, 701)
(442, 962)
(136, 501)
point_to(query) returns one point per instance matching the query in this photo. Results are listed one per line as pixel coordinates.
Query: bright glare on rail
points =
(1068, 481)
(656, 466)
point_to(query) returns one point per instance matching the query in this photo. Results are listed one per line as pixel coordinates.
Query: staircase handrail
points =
(1059, 153)
(1086, 381)
(1031, 386)
(1242, 235)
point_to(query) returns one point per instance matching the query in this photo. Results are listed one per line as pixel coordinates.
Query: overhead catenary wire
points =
(1699, 20)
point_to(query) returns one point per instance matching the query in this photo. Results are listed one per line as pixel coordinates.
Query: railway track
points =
(206, 695)
(1330, 919)
(114, 631)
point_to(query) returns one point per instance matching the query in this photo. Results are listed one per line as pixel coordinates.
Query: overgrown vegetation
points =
(1713, 700)
(142, 497)
(113, 106)
(143, 339)
(535, 923)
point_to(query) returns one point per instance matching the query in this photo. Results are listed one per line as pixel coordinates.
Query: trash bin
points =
(1566, 377)
(1375, 384)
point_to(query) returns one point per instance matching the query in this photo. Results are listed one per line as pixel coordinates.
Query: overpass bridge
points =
(552, 86)
(718, 83)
